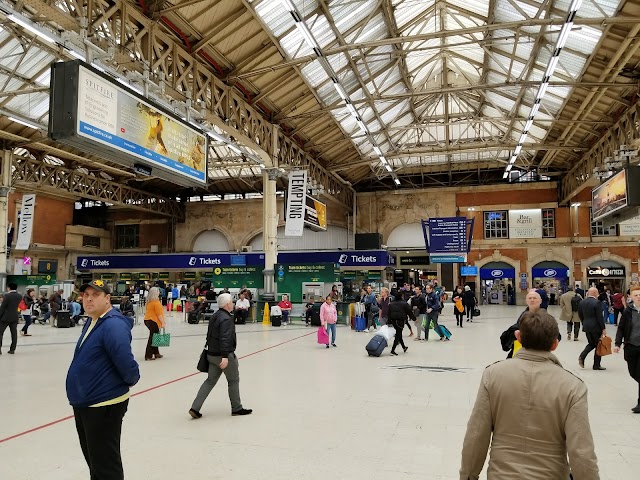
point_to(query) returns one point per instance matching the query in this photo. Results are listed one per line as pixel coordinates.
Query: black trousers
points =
(616, 314)
(593, 339)
(398, 340)
(632, 357)
(459, 316)
(13, 328)
(99, 430)
(153, 328)
(576, 328)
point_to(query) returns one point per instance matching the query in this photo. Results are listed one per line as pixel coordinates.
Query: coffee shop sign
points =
(606, 272)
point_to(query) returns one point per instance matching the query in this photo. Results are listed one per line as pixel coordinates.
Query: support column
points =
(270, 220)
(5, 188)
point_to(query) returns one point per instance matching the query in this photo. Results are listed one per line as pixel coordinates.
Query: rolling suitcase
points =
(376, 345)
(315, 315)
(194, 317)
(361, 324)
(276, 320)
(63, 319)
(445, 332)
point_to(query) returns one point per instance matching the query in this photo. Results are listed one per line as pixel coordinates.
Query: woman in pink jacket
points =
(328, 319)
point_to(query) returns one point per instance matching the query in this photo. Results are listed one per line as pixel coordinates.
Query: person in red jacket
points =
(285, 306)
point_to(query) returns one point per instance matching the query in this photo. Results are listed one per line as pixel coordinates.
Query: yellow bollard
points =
(266, 320)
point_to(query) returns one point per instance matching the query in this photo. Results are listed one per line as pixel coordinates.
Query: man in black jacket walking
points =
(592, 317)
(399, 310)
(9, 315)
(221, 346)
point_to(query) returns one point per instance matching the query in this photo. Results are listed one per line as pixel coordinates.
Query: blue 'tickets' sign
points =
(497, 273)
(166, 261)
(349, 258)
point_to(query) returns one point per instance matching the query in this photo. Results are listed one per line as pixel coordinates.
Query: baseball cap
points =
(97, 285)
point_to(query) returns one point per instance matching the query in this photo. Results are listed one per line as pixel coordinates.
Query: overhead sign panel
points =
(448, 239)
(296, 203)
(315, 214)
(165, 261)
(90, 111)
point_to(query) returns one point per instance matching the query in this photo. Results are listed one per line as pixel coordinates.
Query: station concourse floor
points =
(318, 413)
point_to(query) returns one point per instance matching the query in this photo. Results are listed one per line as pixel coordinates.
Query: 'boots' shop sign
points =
(605, 272)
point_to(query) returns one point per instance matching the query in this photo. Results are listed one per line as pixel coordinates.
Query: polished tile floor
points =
(318, 413)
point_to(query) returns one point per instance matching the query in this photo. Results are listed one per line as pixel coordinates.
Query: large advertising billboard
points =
(109, 121)
(609, 197)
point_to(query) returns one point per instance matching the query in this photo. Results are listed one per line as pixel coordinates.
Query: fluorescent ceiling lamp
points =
(397, 181)
(527, 125)
(577, 204)
(73, 53)
(234, 148)
(388, 167)
(352, 110)
(553, 63)
(377, 150)
(340, 89)
(517, 150)
(217, 136)
(505, 174)
(564, 34)
(38, 32)
(383, 159)
(542, 90)
(307, 35)
(262, 165)
(26, 123)
(362, 126)
(535, 109)
(509, 167)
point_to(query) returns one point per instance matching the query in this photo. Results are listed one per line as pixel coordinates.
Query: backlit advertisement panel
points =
(115, 118)
(609, 197)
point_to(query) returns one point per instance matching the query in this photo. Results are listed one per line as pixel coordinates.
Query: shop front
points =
(552, 274)
(607, 273)
(497, 280)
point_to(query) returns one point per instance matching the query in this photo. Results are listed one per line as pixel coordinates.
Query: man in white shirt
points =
(241, 310)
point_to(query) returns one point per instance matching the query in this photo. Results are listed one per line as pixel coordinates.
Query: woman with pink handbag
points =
(328, 319)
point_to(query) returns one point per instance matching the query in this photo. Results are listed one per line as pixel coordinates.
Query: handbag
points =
(604, 346)
(22, 306)
(323, 336)
(203, 362)
(476, 312)
(161, 339)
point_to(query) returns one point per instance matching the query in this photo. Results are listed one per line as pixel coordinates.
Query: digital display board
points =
(91, 111)
(468, 271)
(448, 235)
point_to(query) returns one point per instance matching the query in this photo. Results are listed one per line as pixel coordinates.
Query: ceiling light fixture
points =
(26, 123)
(31, 27)
(544, 84)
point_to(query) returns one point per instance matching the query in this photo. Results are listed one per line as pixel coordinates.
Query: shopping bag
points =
(161, 339)
(604, 346)
(203, 362)
(323, 336)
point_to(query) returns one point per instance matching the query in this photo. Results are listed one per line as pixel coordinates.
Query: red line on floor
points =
(60, 420)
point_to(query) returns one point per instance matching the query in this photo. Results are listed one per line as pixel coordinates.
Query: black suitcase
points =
(315, 315)
(63, 319)
(194, 317)
(376, 345)
(276, 320)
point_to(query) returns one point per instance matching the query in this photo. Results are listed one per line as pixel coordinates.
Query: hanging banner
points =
(315, 215)
(525, 223)
(296, 203)
(25, 228)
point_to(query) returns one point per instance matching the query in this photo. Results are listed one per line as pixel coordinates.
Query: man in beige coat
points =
(533, 412)
(569, 304)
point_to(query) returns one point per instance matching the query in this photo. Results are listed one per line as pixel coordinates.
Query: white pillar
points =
(5, 188)
(270, 232)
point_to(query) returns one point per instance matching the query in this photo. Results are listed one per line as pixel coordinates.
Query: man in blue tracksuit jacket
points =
(100, 375)
(433, 311)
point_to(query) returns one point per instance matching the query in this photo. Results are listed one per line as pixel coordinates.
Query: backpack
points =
(575, 302)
